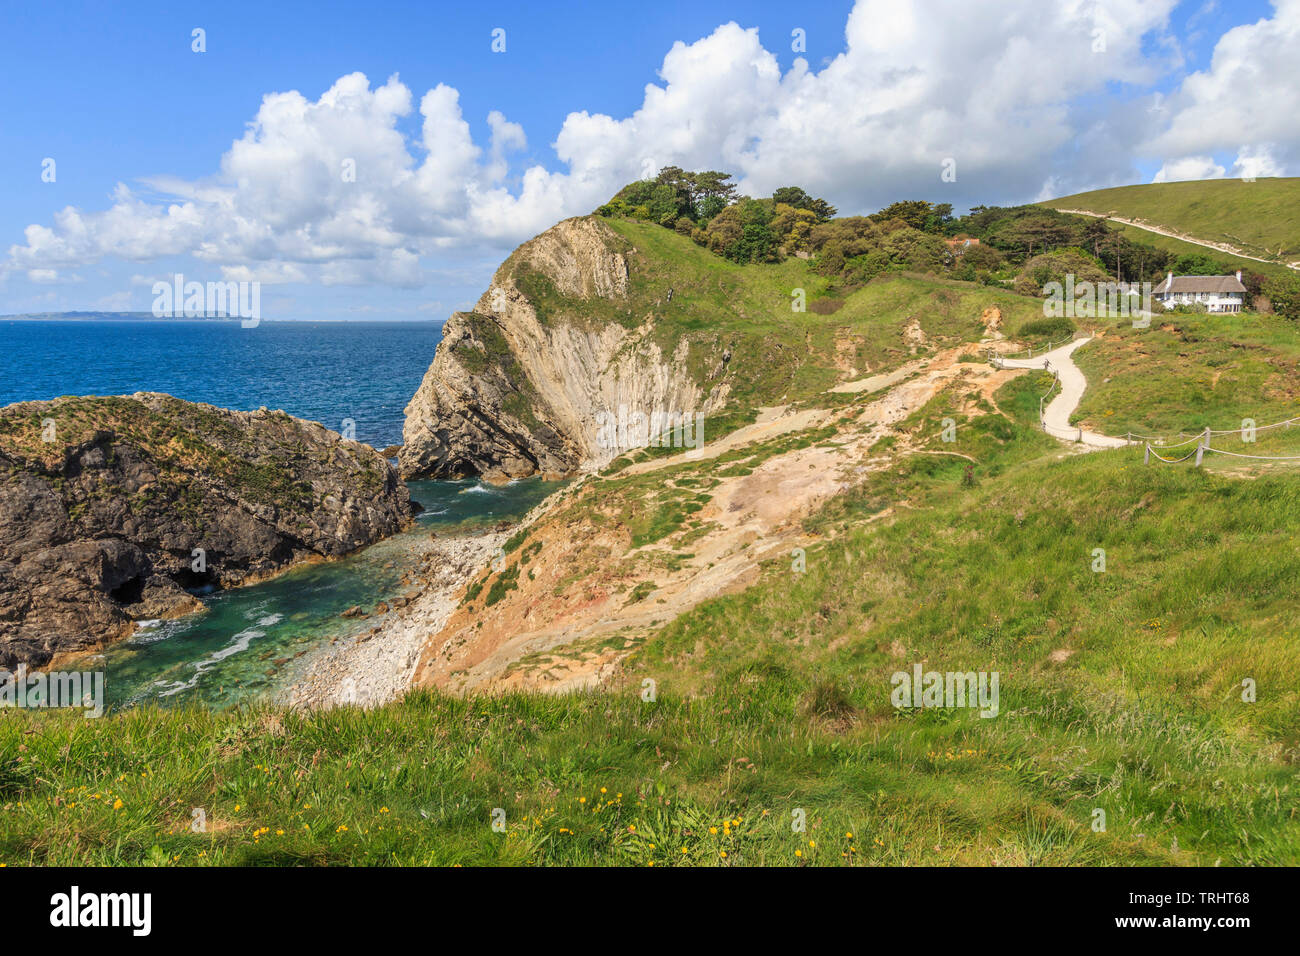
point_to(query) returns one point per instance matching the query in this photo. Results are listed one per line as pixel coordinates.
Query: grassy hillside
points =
(1122, 687)
(1189, 372)
(1260, 218)
(1180, 248)
(1120, 691)
(778, 354)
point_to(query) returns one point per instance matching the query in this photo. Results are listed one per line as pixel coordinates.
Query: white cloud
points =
(1257, 161)
(1250, 94)
(1189, 167)
(1000, 89)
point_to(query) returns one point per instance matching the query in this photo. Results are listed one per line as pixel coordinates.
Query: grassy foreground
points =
(1189, 372)
(1121, 691)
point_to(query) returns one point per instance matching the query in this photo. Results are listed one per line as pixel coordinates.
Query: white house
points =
(1216, 293)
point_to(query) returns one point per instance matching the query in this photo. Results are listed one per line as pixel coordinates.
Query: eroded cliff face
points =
(104, 501)
(519, 384)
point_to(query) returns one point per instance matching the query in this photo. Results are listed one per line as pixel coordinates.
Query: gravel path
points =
(1056, 417)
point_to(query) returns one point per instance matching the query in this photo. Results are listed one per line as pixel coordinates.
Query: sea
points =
(244, 645)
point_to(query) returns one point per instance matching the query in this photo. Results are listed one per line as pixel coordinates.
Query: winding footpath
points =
(1147, 227)
(1056, 417)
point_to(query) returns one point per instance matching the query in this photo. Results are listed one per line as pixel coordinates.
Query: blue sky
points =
(115, 95)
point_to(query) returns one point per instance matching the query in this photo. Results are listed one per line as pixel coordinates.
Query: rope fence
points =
(1203, 446)
(1201, 439)
(997, 357)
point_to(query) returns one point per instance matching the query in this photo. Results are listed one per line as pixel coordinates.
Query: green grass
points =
(1189, 372)
(1260, 218)
(1120, 691)
(777, 355)
(1180, 248)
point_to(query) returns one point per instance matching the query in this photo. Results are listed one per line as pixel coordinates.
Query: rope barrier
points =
(1029, 353)
(1200, 451)
(1169, 461)
(1233, 454)
(1199, 436)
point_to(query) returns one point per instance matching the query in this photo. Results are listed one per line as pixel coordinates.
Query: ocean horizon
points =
(326, 371)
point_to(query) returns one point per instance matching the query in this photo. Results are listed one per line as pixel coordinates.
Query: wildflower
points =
(117, 804)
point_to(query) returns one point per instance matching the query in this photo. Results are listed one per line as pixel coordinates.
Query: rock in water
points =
(114, 509)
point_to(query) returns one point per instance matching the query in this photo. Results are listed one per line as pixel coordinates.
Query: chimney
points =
(1238, 275)
(1169, 282)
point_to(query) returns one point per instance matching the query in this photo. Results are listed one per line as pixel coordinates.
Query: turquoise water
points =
(244, 646)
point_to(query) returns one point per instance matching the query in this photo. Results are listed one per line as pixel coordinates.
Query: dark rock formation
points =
(115, 509)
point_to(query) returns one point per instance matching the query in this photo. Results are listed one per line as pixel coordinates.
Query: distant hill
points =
(1260, 219)
(106, 316)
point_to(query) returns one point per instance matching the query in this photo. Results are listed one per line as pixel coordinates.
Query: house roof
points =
(1180, 284)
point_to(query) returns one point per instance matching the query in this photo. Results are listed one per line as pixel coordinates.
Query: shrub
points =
(1050, 328)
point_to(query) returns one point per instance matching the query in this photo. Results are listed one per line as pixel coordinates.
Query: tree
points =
(756, 244)
(1095, 232)
(712, 192)
(796, 197)
(914, 212)
(940, 216)
(792, 196)
(983, 258)
(1284, 292)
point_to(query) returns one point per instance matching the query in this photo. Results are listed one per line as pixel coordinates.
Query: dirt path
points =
(1216, 246)
(578, 611)
(589, 597)
(1056, 416)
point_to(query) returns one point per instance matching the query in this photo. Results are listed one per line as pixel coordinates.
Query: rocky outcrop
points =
(121, 508)
(565, 332)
